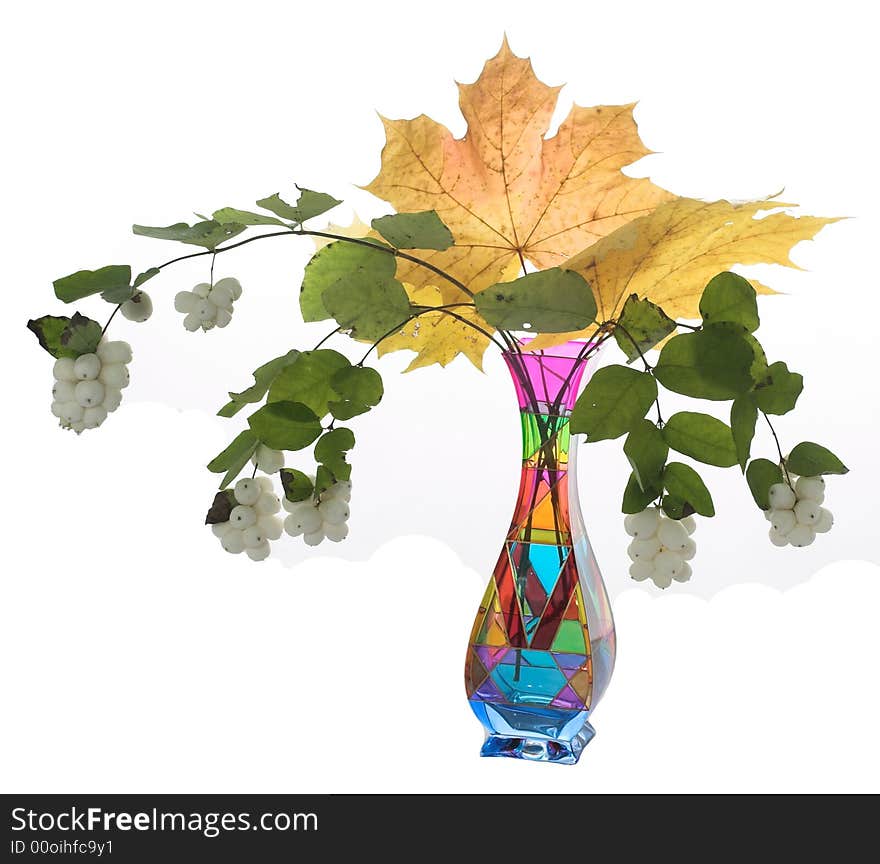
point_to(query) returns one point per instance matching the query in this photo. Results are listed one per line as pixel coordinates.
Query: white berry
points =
(667, 562)
(801, 535)
(202, 290)
(268, 460)
(826, 521)
(807, 512)
(89, 393)
(63, 370)
(258, 553)
(86, 367)
(643, 550)
(783, 521)
(781, 497)
(662, 579)
(672, 535)
(185, 301)
(114, 352)
(114, 375)
(304, 521)
(689, 524)
(689, 550)
(230, 284)
(641, 570)
(333, 511)
(810, 489)
(221, 296)
(270, 526)
(336, 533)
(94, 417)
(233, 541)
(313, 538)
(221, 529)
(243, 516)
(138, 308)
(71, 412)
(112, 398)
(642, 525)
(267, 502)
(776, 538)
(684, 574)
(247, 491)
(64, 391)
(253, 537)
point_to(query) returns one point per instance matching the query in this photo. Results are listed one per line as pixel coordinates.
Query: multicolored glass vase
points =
(542, 646)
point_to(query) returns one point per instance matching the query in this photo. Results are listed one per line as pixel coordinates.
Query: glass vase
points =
(542, 646)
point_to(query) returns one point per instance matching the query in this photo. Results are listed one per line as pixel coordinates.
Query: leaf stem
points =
(648, 367)
(112, 316)
(779, 451)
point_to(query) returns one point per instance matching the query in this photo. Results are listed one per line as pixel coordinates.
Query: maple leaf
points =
(437, 337)
(357, 228)
(508, 194)
(669, 255)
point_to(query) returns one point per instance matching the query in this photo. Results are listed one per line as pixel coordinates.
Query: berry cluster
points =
(326, 517)
(796, 514)
(661, 547)
(88, 388)
(207, 305)
(252, 522)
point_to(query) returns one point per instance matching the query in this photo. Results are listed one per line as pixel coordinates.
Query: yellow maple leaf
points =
(508, 194)
(357, 228)
(437, 337)
(669, 255)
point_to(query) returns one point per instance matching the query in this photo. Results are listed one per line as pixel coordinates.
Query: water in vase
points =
(542, 646)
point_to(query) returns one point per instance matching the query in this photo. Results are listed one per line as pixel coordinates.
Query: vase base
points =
(539, 749)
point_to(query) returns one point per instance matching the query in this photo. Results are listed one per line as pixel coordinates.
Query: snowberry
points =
(64, 370)
(825, 522)
(137, 308)
(267, 503)
(672, 535)
(810, 489)
(71, 412)
(94, 417)
(644, 550)
(112, 398)
(58, 409)
(313, 538)
(336, 533)
(233, 541)
(114, 352)
(641, 570)
(306, 520)
(230, 284)
(258, 553)
(86, 367)
(89, 393)
(777, 539)
(114, 375)
(270, 526)
(221, 296)
(782, 521)
(253, 537)
(782, 497)
(689, 550)
(807, 512)
(642, 525)
(801, 535)
(268, 460)
(64, 391)
(242, 516)
(333, 511)
(185, 301)
(684, 574)
(689, 523)
(667, 561)
(662, 579)
(247, 491)
(202, 290)
(220, 529)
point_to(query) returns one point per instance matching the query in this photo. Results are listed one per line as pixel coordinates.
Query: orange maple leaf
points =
(507, 193)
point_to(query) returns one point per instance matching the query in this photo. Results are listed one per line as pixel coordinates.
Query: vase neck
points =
(547, 382)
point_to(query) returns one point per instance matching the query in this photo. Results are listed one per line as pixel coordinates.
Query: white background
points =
(138, 657)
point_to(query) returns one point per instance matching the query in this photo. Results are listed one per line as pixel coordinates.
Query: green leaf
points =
(635, 499)
(683, 483)
(209, 233)
(646, 451)
(549, 301)
(84, 283)
(743, 416)
(422, 230)
(48, 330)
(331, 449)
(145, 276)
(297, 486)
(676, 508)
(245, 217)
(234, 457)
(701, 437)
(761, 475)
(645, 322)
(759, 370)
(729, 297)
(324, 479)
(81, 336)
(810, 460)
(343, 264)
(780, 394)
(307, 380)
(369, 309)
(308, 205)
(263, 378)
(714, 363)
(224, 501)
(360, 387)
(614, 400)
(285, 425)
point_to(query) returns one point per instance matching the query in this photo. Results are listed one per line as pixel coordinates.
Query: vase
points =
(542, 647)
